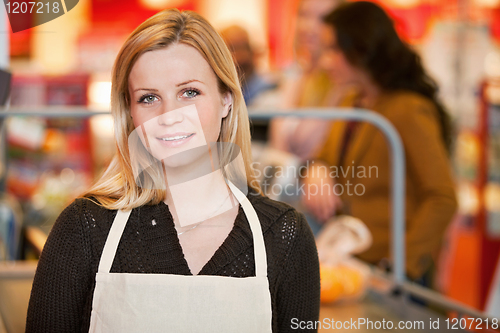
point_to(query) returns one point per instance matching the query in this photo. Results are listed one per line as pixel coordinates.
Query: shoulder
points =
(269, 207)
(402, 100)
(75, 229)
(399, 97)
(91, 204)
(406, 105)
(278, 217)
(85, 213)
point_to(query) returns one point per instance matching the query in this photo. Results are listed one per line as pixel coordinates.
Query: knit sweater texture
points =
(63, 287)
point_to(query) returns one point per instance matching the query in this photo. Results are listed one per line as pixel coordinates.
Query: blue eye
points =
(190, 93)
(147, 99)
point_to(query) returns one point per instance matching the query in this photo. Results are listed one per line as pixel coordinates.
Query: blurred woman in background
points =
(306, 85)
(363, 50)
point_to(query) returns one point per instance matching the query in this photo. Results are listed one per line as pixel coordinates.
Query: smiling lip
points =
(176, 139)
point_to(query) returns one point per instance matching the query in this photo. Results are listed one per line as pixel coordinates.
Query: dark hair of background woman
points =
(368, 39)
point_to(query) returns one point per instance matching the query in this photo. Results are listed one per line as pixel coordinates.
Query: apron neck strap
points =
(258, 239)
(116, 231)
(111, 245)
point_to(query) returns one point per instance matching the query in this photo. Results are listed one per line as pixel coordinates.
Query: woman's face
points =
(176, 105)
(309, 21)
(334, 60)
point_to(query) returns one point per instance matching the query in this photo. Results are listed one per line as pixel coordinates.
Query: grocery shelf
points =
(51, 112)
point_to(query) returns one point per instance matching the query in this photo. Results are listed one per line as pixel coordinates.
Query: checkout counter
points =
(382, 303)
(15, 287)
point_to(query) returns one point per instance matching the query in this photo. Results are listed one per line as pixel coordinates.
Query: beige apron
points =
(125, 302)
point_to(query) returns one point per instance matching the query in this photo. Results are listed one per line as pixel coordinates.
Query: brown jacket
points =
(430, 193)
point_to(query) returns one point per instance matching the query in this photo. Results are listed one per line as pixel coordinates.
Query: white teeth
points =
(173, 138)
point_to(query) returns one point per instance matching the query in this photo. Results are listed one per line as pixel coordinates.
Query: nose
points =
(170, 116)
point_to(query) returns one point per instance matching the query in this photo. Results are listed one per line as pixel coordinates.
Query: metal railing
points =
(397, 168)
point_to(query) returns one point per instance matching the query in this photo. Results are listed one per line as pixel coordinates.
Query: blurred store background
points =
(46, 162)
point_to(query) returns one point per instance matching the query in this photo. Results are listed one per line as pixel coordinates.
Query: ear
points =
(227, 103)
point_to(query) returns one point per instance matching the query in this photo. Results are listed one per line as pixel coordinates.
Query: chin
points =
(173, 162)
(197, 157)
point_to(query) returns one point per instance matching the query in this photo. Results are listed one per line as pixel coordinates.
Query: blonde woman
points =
(176, 237)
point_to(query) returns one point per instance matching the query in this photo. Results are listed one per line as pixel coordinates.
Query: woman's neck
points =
(309, 61)
(199, 199)
(369, 93)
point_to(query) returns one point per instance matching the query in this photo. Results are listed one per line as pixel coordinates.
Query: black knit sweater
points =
(61, 297)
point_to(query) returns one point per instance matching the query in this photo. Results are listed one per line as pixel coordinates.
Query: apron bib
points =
(125, 302)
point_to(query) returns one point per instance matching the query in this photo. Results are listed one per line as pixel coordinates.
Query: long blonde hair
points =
(117, 188)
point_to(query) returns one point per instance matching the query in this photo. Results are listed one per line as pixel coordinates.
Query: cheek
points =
(137, 117)
(316, 25)
(210, 122)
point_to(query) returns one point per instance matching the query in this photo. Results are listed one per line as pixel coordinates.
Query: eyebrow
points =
(187, 82)
(177, 85)
(147, 89)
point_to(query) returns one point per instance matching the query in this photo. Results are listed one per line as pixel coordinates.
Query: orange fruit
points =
(331, 285)
(352, 280)
(340, 281)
